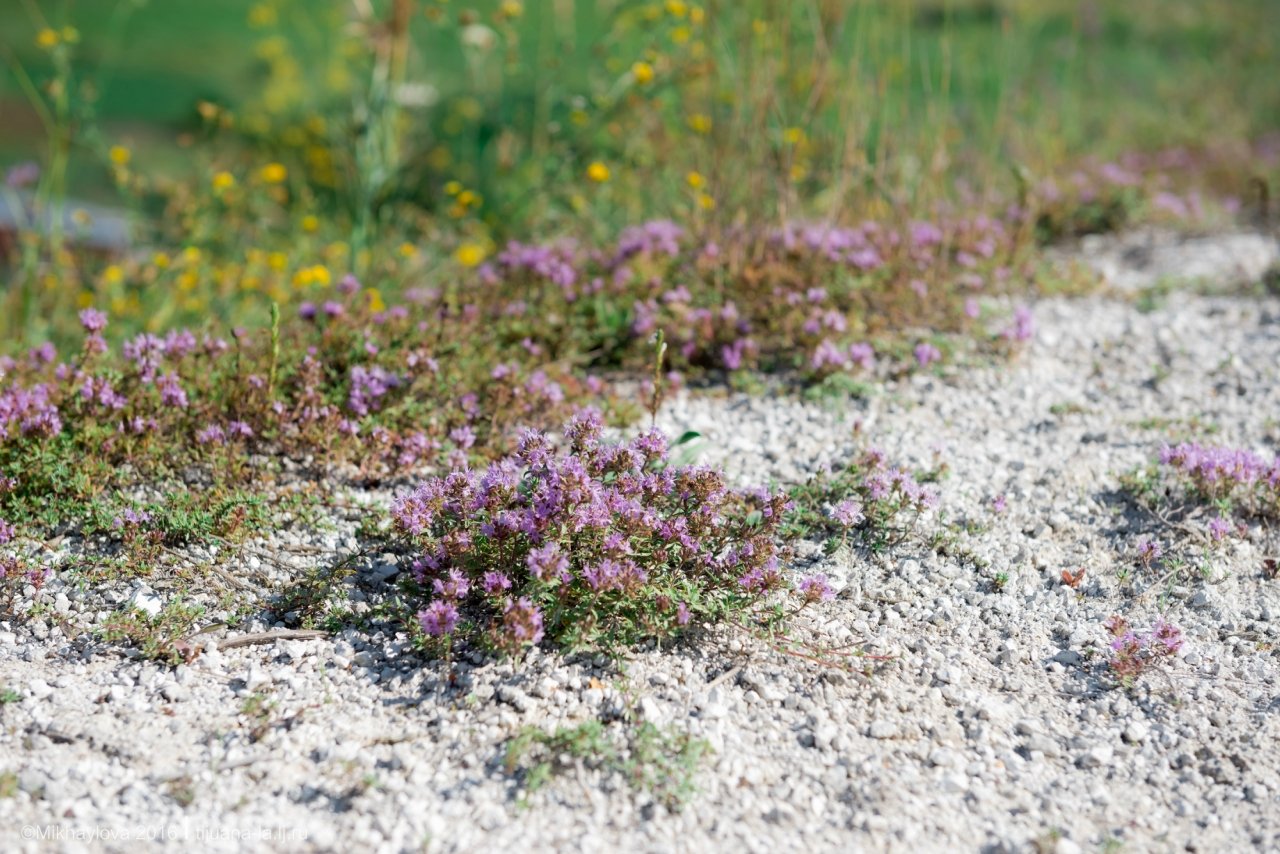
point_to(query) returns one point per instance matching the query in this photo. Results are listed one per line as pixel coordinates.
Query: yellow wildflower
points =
(408, 250)
(470, 254)
(642, 72)
(467, 198)
(598, 172)
(700, 123)
(262, 15)
(274, 173)
(376, 302)
(677, 8)
(793, 135)
(191, 254)
(119, 155)
(697, 14)
(70, 35)
(112, 275)
(310, 223)
(511, 9)
(680, 35)
(47, 38)
(277, 261)
(706, 202)
(223, 181)
(695, 180)
(453, 188)
(160, 260)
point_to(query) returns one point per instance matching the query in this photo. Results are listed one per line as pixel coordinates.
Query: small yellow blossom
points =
(598, 172)
(262, 15)
(642, 72)
(70, 35)
(320, 275)
(793, 135)
(84, 299)
(274, 173)
(188, 281)
(223, 181)
(467, 198)
(759, 26)
(192, 254)
(277, 261)
(408, 250)
(47, 39)
(579, 117)
(112, 275)
(700, 123)
(160, 260)
(799, 172)
(680, 35)
(470, 254)
(695, 180)
(511, 9)
(697, 15)
(303, 277)
(310, 223)
(453, 188)
(706, 202)
(376, 302)
(119, 155)
(677, 8)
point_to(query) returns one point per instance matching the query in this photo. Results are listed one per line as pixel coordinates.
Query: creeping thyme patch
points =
(1198, 498)
(598, 546)
(877, 504)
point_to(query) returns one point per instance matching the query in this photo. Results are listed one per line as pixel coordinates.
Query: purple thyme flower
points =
(439, 618)
(815, 588)
(1219, 528)
(496, 582)
(546, 562)
(131, 518)
(7, 532)
(1149, 551)
(682, 614)
(926, 354)
(456, 586)
(848, 512)
(171, 393)
(521, 623)
(93, 321)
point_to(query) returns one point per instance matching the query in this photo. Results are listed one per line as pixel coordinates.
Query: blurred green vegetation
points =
(455, 126)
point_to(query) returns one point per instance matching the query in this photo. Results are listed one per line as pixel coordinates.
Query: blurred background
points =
(266, 138)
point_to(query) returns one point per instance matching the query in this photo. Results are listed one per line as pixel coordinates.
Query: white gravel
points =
(988, 725)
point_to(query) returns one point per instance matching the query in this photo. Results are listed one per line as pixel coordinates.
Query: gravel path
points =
(986, 722)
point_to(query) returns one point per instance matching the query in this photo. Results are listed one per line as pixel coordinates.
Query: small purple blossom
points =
(93, 321)
(496, 582)
(848, 513)
(814, 588)
(926, 354)
(439, 618)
